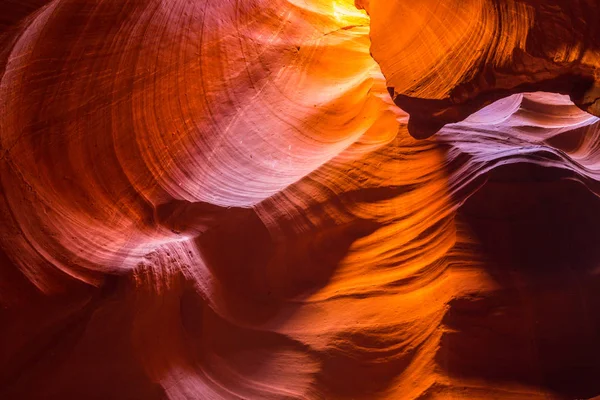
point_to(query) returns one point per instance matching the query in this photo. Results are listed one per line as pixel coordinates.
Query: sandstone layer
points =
(295, 199)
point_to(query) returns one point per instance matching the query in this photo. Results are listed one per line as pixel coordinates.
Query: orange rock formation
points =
(299, 199)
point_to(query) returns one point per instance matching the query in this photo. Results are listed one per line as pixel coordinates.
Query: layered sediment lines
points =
(456, 57)
(221, 200)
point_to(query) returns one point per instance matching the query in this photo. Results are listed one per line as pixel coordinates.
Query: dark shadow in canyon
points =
(246, 260)
(264, 277)
(538, 231)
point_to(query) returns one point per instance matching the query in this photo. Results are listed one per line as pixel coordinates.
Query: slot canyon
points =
(299, 199)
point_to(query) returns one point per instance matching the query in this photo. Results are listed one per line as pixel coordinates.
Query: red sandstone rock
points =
(221, 200)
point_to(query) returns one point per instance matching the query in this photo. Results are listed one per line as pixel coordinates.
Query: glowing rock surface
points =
(300, 199)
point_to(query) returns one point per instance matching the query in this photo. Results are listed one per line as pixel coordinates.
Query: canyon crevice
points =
(294, 199)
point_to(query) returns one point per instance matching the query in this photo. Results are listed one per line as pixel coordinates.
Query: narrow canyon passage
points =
(380, 199)
(537, 232)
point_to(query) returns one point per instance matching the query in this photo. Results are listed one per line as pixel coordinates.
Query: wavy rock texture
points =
(221, 200)
(455, 57)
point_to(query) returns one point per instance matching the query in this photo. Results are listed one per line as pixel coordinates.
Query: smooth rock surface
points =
(299, 199)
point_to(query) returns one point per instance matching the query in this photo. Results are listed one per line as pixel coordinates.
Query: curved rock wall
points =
(221, 200)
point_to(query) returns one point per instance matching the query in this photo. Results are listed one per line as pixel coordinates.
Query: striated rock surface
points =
(454, 57)
(246, 199)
